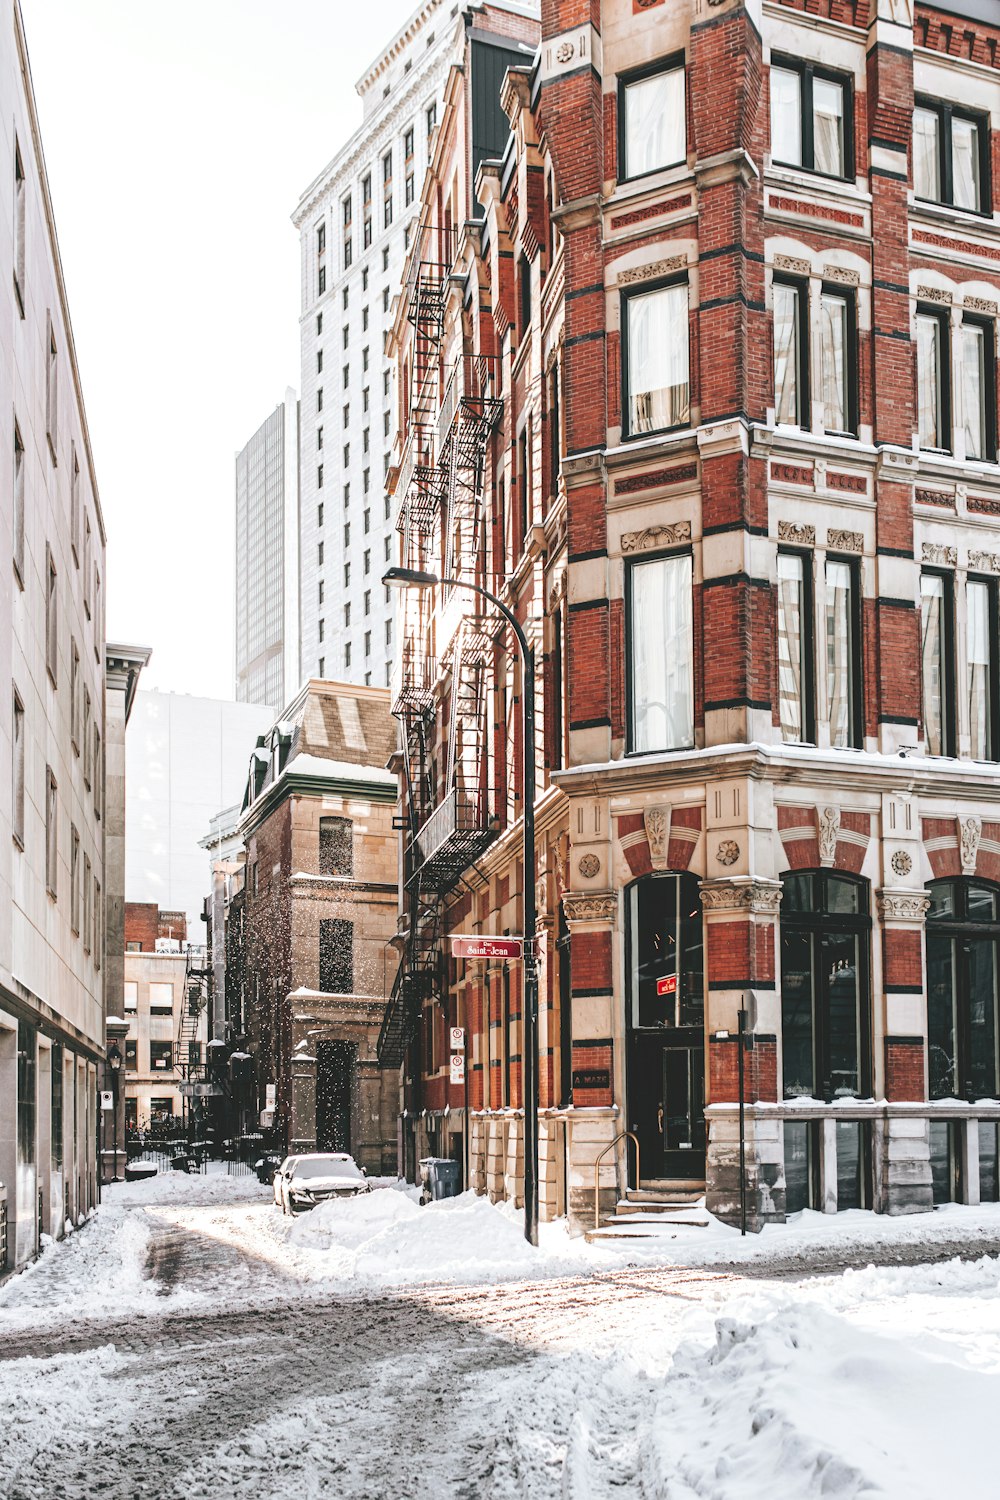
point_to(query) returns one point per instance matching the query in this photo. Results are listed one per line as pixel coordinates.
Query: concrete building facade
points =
(267, 560)
(164, 1046)
(315, 913)
(355, 221)
(52, 728)
(728, 322)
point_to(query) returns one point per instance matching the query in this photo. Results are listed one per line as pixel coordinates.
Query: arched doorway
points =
(665, 1000)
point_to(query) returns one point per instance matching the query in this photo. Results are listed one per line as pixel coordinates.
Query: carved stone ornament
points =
(898, 11)
(656, 536)
(796, 532)
(901, 862)
(969, 833)
(590, 906)
(845, 541)
(793, 263)
(937, 552)
(589, 865)
(655, 269)
(728, 852)
(980, 305)
(761, 896)
(829, 827)
(902, 906)
(657, 821)
(934, 294)
(564, 51)
(843, 274)
(984, 562)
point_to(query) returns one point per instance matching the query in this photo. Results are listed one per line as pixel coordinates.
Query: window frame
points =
(626, 295)
(672, 63)
(941, 316)
(632, 565)
(809, 71)
(960, 928)
(946, 112)
(989, 329)
(848, 295)
(807, 646)
(856, 655)
(949, 699)
(992, 586)
(800, 285)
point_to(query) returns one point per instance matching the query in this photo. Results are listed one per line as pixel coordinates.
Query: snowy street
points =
(192, 1342)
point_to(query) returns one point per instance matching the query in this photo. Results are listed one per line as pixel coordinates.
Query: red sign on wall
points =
(667, 986)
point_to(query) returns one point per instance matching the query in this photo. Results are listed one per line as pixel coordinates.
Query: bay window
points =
(810, 118)
(651, 125)
(950, 155)
(936, 624)
(795, 649)
(843, 676)
(655, 359)
(661, 654)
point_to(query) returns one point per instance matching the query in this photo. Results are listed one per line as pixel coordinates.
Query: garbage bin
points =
(180, 1163)
(440, 1177)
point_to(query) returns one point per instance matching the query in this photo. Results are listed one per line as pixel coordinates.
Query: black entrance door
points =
(334, 1076)
(666, 1038)
(667, 1101)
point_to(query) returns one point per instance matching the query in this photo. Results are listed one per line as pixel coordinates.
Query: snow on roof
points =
(340, 770)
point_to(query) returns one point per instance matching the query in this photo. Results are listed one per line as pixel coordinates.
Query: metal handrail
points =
(621, 1136)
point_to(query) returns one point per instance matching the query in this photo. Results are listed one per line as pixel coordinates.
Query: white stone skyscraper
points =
(354, 222)
(267, 557)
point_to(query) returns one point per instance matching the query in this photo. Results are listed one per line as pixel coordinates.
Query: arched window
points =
(825, 1004)
(963, 934)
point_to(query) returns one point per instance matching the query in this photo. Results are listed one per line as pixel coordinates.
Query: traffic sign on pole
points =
(458, 1038)
(458, 1067)
(487, 947)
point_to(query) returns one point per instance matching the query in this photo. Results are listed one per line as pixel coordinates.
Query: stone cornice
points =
(599, 907)
(743, 894)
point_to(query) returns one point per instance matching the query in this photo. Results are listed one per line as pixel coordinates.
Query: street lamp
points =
(413, 578)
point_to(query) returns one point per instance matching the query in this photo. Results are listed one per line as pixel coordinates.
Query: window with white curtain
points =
(657, 392)
(933, 420)
(791, 395)
(980, 657)
(794, 648)
(837, 355)
(842, 667)
(661, 652)
(950, 155)
(651, 121)
(935, 630)
(810, 118)
(976, 386)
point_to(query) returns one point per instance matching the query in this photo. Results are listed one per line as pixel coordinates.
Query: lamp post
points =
(413, 578)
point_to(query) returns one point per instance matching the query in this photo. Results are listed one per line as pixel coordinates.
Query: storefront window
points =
(963, 932)
(824, 985)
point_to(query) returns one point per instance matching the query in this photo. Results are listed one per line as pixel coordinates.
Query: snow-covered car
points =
(303, 1181)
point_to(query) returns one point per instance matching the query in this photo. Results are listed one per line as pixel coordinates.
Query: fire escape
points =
(451, 816)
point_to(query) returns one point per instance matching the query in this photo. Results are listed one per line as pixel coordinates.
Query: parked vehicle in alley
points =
(303, 1181)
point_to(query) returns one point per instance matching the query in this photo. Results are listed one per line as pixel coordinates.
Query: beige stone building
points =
(320, 910)
(167, 1017)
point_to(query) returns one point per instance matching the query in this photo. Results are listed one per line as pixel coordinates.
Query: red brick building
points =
(701, 375)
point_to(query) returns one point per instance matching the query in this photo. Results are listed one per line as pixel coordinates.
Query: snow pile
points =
(387, 1239)
(834, 1411)
(66, 1392)
(214, 1185)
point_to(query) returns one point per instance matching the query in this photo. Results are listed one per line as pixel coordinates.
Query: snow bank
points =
(214, 1185)
(42, 1397)
(834, 1411)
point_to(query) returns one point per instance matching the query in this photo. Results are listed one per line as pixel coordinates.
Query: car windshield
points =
(327, 1166)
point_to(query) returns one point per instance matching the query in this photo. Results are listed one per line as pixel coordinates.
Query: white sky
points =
(178, 138)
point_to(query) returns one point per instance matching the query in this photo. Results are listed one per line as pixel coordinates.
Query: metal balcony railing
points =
(454, 836)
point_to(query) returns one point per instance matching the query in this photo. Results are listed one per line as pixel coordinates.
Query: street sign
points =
(270, 1095)
(458, 1067)
(667, 986)
(486, 947)
(107, 1099)
(458, 1039)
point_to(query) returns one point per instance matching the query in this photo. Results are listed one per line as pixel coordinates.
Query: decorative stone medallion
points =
(589, 866)
(728, 852)
(902, 863)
